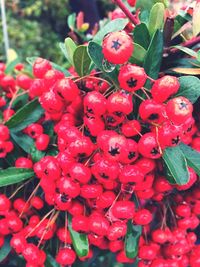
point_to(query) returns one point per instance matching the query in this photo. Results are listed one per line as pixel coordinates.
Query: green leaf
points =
(20, 101)
(31, 60)
(141, 35)
(176, 164)
(5, 250)
(189, 88)
(71, 20)
(96, 55)
(138, 55)
(147, 4)
(192, 156)
(186, 50)
(36, 154)
(23, 141)
(132, 239)
(79, 241)
(81, 60)
(153, 59)
(26, 115)
(198, 56)
(112, 26)
(156, 18)
(63, 49)
(10, 66)
(14, 175)
(50, 261)
(70, 49)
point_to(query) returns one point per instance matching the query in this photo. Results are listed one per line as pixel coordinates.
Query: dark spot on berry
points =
(110, 119)
(183, 105)
(114, 151)
(89, 110)
(118, 113)
(116, 44)
(176, 140)
(64, 198)
(2, 150)
(46, 172)
(131, 155)
(103, 175)
(189, 129)
(155, 151)
(131, 82)
(153, 117)
(32, 133)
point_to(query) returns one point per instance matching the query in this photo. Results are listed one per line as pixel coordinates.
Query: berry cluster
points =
(108, 169)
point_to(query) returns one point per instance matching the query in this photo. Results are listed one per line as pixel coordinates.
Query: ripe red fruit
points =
(24, 81)
(192, 180)
(152, 112)
(4, 133)
(94, 104)
(142, 217)
(117, 47)
(98, 224)
(179, 109)
(117, 230)
(123, 209)
(23, 163)
(148, 146)
(131, 128)
(164, 87)
(67, 89)
(5, 203)
(42, 142)
(131, 77)
(66, 256)
(40, 67)
(131, 2)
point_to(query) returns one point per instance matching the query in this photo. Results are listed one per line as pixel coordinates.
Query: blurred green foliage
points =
(36, 27)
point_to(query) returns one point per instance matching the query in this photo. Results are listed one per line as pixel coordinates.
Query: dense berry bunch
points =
(106, 172)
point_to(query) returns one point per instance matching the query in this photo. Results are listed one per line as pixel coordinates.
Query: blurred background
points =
(36, 26)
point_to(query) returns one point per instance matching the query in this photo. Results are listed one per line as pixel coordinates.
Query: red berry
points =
(23, 163)
(66, 256)
(164, 87)
(148, 146)
(131, 77)
(40, 67)
(42, 142)
(117, 47)
(67, 89)
(123, 209)
(179, 109)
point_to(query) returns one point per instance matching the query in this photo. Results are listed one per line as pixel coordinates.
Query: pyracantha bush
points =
(104, 155)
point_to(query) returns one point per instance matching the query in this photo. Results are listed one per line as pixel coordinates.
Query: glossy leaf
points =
(96, 55)
(192, 156)
(31, 60)
(176, 164)
(24, 141)
(132, 239)
(186, 50)
(112, 26)
(189, 88)
(79, 241)
(196, 19)
(26, 115)
(63, 49)
(71, 20)
(14, 175)
(141, 35)
(153, 58)
(50, 261)
(5, 250)
(70, 49)
(138, 55)
(156, 18)
(36, 154)
(81, 60)
(188, 71)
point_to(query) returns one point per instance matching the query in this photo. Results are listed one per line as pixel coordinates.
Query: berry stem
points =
(144, 91)
(126, 11)
(141, 98)
(189, 43)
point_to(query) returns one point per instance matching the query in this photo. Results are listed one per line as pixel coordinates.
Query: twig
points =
(126, 11)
